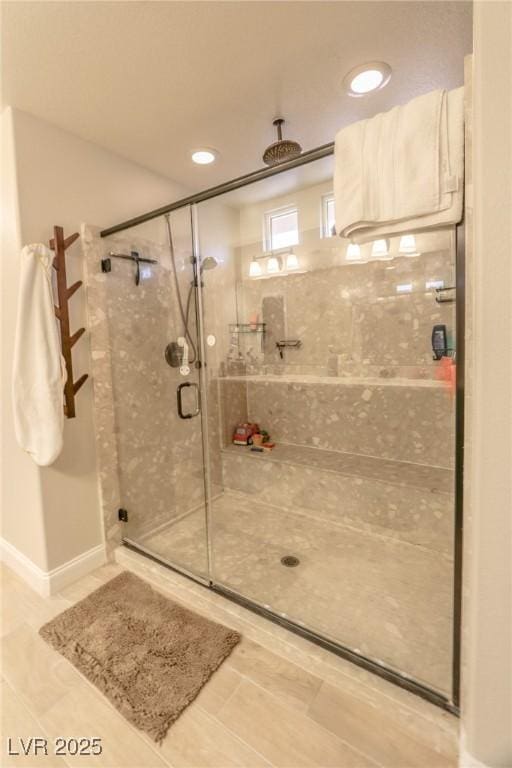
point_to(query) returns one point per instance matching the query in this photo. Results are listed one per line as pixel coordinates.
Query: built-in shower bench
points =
(406, 501)
(396, 419)
(401, 473)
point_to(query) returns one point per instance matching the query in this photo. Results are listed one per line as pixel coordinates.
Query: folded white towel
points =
(402, 170)
(38, 368)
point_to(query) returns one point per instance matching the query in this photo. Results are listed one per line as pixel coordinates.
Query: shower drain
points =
(290, 561)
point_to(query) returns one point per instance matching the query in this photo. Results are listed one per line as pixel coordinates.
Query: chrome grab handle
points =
(180, 404)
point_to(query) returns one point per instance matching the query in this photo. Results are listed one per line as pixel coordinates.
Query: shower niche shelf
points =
(247, 327)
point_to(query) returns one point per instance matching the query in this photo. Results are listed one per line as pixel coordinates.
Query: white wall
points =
(52, 514)
(22, 514)
(487, 614)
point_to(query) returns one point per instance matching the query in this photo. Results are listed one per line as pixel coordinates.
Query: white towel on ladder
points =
(401, 170)
(38, 369)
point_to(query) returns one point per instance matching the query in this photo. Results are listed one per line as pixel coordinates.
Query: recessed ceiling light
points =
(204, 156)
(367, 78)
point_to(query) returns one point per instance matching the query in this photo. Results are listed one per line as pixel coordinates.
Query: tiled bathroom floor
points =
(386, 598)
(277, 700)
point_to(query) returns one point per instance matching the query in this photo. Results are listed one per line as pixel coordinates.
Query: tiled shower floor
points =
(387, 599)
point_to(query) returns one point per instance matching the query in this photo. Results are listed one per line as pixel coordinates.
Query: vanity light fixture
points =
(204, 156)
(367, 78)
(407, 246)
(273, 265)
(353, 252)
(292, 262)
(255, 269)
(404, 288)
(434, 285)
(380, 250)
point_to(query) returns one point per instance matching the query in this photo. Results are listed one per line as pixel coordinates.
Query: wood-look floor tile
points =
(221, 685)
(15, 607)
(84, 712)
(197, 740)
(16, 723)
(284, 736)
(274, 673)
(37, 673)
(297, 706)
(84, 586)
(21, 605)
(362, 683)
(108, 570)
(376, 730)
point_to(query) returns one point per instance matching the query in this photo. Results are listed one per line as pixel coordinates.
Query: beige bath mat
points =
(147, 654)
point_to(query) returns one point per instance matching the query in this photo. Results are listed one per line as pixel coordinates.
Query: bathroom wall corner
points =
(487, 578)
(22, 524)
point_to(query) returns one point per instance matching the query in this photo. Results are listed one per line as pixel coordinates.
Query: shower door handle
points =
(180, 404)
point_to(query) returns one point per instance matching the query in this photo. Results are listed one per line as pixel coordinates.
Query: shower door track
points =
(452, 705)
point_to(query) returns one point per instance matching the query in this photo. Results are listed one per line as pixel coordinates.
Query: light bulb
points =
(367, 81)
(367, 78)
(353, 252)
(273, 265)
(292, 261)
(408, 246)
(255, 269)
(204, 156)
(380, 250)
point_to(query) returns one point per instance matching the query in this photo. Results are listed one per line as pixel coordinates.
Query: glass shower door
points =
(156, 392)
(313, 419)
(339, 516)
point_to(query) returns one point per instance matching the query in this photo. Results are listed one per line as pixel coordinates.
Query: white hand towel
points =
(402, 170)
(38, 370)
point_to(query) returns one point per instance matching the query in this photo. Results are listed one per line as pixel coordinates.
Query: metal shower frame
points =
(450, 704)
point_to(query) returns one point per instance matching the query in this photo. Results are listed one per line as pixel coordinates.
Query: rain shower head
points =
(210, 262)
(282, 149)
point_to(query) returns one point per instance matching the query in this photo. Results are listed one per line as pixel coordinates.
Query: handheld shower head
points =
(210, 262)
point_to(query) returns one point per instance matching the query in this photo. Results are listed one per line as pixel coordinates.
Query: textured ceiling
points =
(152, 80)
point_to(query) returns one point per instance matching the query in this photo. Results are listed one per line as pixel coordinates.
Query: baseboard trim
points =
(35, 577)
(466, 759)
(47, 583)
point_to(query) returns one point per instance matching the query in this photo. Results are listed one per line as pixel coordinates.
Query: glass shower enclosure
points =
(291, 443)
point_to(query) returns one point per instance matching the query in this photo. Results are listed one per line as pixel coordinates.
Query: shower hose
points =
(184, 313)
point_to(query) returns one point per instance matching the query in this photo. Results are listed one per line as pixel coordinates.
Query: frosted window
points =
(282, 229)
(328, 217)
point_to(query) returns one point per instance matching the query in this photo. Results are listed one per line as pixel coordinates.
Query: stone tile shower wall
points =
(349, 319)
(151, 461)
